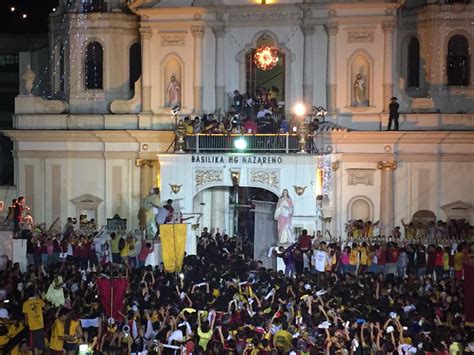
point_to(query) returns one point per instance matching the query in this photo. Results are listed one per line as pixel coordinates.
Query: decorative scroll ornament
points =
(299, 189)
(204, 177)
(270, 178)
(175, 188)
(266, 58)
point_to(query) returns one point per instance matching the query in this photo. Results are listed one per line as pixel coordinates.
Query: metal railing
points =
(273, 143)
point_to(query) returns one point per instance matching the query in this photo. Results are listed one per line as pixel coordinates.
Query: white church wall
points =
(368, 191)
(372, 49)
(428, 185)
(319, 66)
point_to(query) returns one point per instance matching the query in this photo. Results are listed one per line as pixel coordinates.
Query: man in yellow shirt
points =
(282, 338)
(33, 311)
(56, 342)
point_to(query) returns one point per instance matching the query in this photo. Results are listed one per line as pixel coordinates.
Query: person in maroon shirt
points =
(250, 127)
(304, 241)
(81, 252)
(18, 216)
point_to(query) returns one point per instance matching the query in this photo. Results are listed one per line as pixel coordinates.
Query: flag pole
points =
(111, 299)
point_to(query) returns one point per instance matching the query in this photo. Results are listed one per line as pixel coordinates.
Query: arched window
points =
(458, 61)
(94, 66)
(135, 64)
(413, 63)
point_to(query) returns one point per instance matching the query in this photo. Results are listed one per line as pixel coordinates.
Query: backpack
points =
(121, 244)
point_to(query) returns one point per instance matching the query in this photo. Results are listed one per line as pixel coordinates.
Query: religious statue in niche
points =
(174, 92)
(360, 91)
(284, 217)
(28, 77)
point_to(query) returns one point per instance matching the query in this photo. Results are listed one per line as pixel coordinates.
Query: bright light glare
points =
(240, 143)
(12, 9)
(24, 15)
(300, 110)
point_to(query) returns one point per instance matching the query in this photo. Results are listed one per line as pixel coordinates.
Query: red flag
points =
(112, 294)
(469, 294)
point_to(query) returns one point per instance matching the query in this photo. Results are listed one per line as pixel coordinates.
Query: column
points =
(387, 27)
(198, 34)
(331, 29)
(387, 210)
(148, 169)
(218, 209)
(145, 33)
(219, 32)
(308, 32)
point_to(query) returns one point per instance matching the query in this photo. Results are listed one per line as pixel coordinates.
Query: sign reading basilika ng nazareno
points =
(237, 159)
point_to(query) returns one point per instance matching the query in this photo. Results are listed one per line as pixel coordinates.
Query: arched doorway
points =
(243, 211)
(265, 84)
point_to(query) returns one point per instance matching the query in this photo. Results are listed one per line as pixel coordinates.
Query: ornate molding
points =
(360, 36)
(387, 165)
(331, 28)
(146, 163)
(197, 31)
(173, 39)
(266, 177)
(146, 32)
(204, 177)
(219, 31)
(360, 177)
(388, 27)
(335, 165)
(308, 30)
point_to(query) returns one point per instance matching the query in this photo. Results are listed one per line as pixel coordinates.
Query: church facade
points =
(102, 137)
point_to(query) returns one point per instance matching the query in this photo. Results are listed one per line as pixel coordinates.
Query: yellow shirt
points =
(114, 245)
(458, 261)
(33, 308)
(73, 329)
(124, 252)
(364, 260)
(353, 256)
(58, 331)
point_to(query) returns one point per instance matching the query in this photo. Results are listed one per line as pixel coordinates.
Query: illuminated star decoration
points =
(266, 58)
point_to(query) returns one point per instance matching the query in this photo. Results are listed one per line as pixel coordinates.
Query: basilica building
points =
(96, 129)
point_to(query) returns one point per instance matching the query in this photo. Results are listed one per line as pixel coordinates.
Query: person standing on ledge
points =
(393, 114)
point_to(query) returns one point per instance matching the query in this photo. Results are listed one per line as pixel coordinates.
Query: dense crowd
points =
(334, 299)
(261, 113)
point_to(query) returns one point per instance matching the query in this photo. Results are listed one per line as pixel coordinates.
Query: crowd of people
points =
(259, 114)
(332, 298)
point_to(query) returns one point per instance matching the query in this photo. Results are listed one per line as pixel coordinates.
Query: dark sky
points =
(37, 12)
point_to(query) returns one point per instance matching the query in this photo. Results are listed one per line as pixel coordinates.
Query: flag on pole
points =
(173, 244)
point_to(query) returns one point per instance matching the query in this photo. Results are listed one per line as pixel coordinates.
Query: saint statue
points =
(28, 79)
(360, 91)
(283, 216)
(174, 92)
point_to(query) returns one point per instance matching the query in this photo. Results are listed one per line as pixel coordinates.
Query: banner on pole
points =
(173, 245)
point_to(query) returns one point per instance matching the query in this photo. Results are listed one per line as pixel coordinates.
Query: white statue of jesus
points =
(174, 92)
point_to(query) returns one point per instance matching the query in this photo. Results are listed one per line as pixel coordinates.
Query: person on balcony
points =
(263, 111)
(284, 125)
(238, 102)
(197, 128)
(250, 127)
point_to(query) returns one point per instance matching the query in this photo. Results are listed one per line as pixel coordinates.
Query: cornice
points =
(91, 136)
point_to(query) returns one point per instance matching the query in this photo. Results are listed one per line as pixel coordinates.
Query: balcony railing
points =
(270, 143)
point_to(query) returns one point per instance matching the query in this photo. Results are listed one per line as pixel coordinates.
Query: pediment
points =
(86, 199)
(459, 206)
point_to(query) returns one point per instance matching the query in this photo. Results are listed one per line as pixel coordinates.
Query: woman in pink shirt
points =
(345, 260)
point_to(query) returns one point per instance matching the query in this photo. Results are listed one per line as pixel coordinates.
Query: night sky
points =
(36, 12)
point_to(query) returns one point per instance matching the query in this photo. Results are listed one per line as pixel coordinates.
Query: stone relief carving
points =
(204, 177)
(360, 176)
(173, 39)
(265, 177)
(360, 36)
